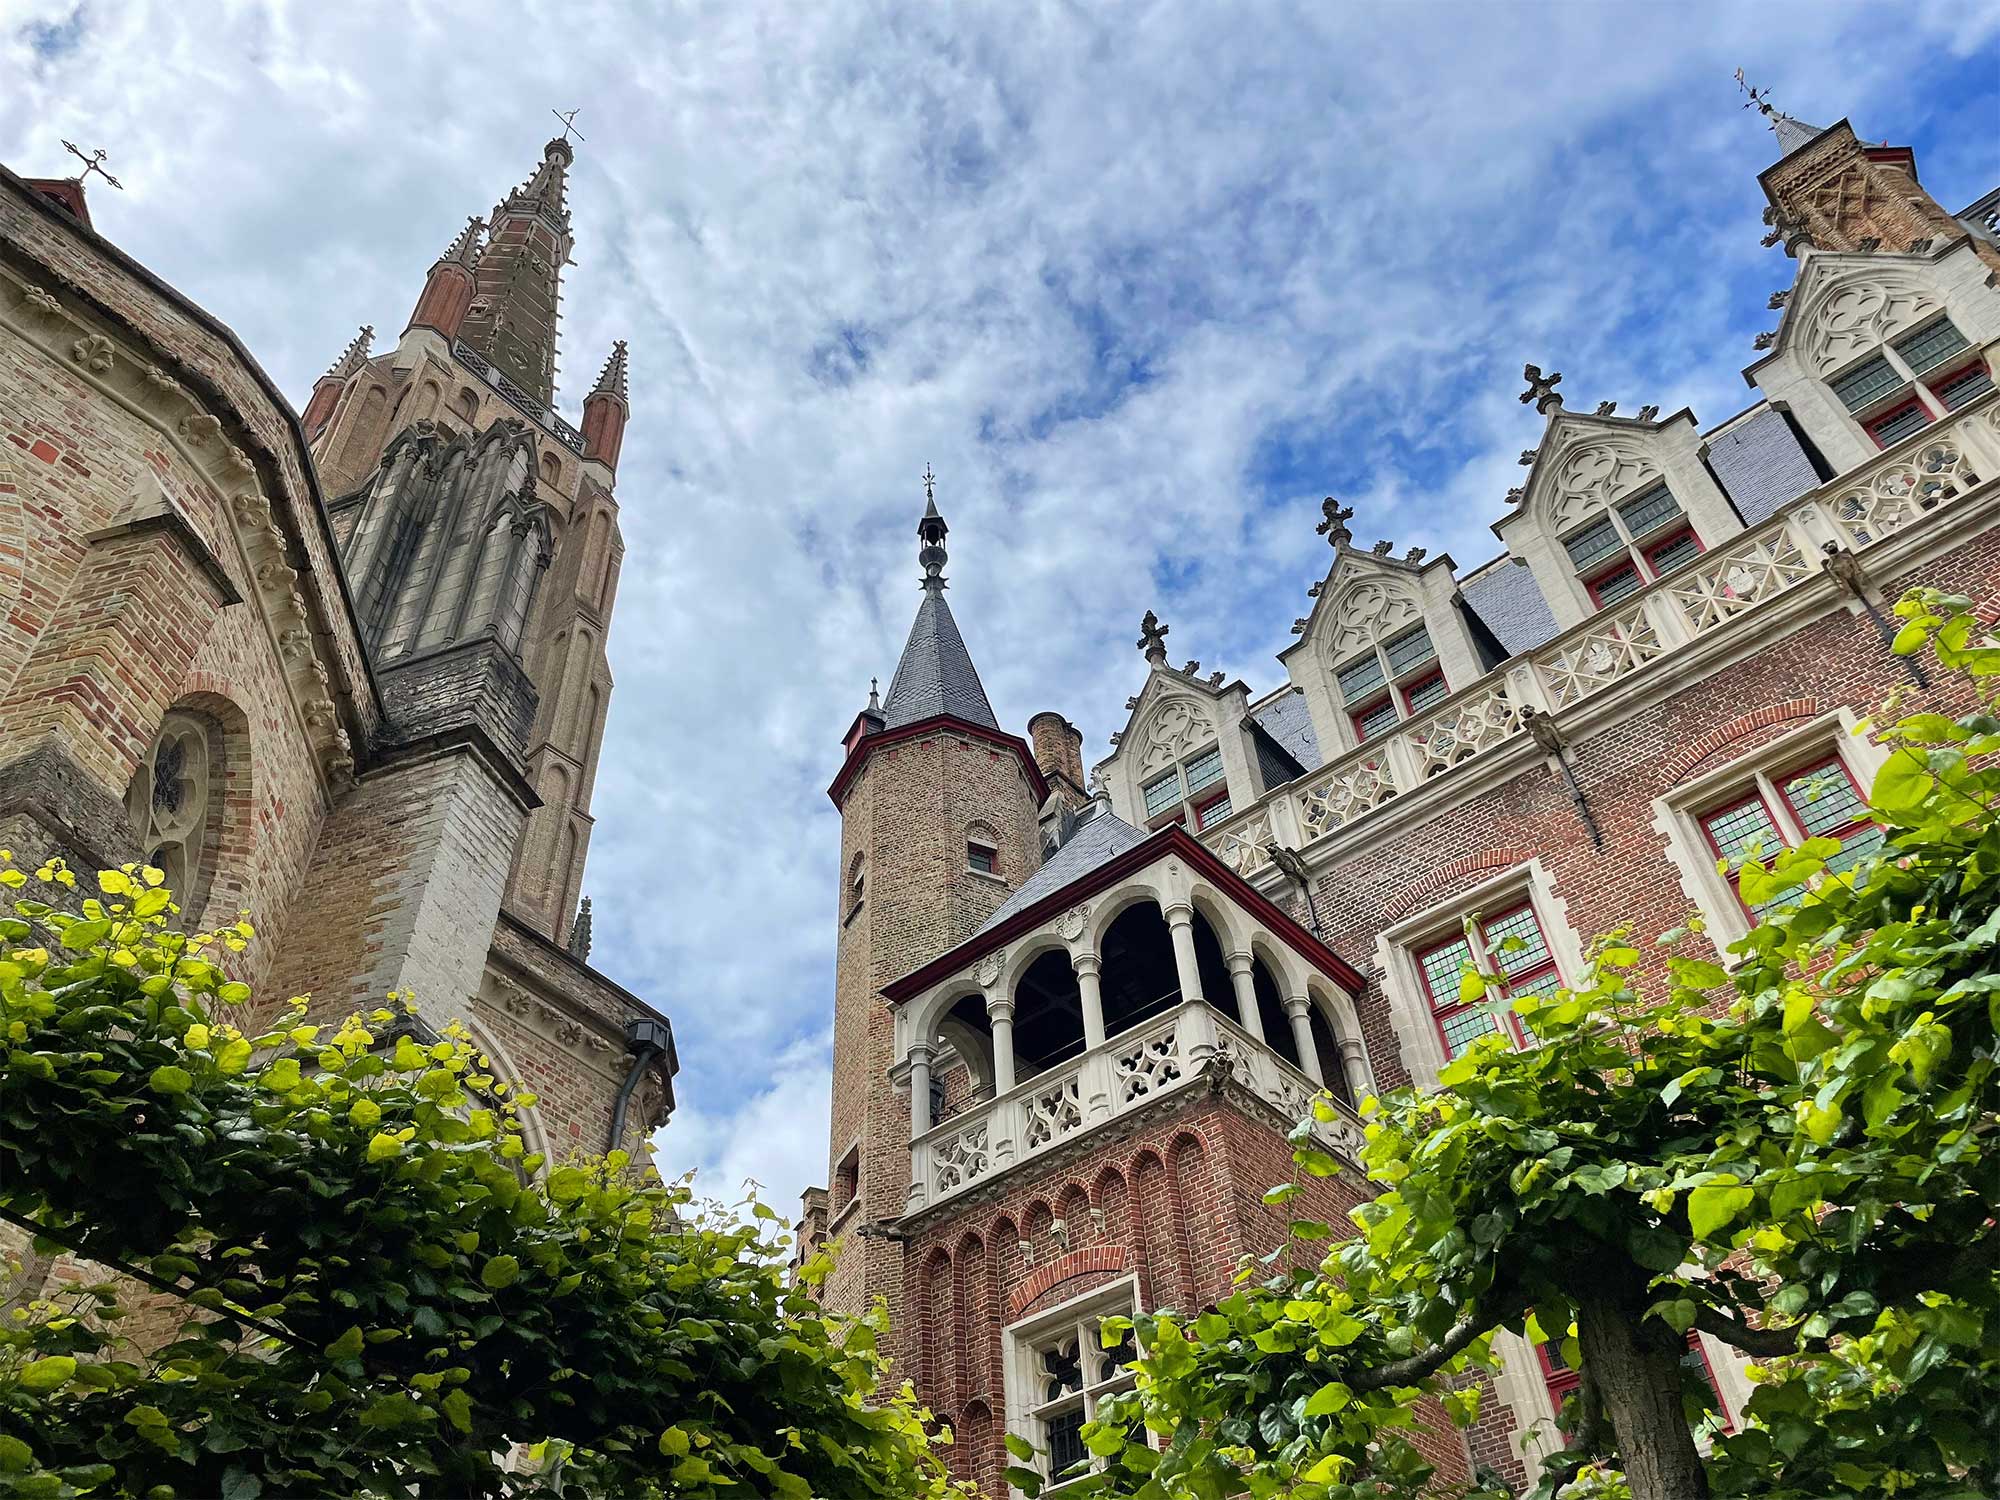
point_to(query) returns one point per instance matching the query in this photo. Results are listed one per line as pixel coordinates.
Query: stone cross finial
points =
(1541, 388)
(874, 695)
(1153, 639)
(1334, 527)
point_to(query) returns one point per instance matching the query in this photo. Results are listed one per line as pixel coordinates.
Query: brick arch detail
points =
(1419, 891)
(1699, 749)
(1096, 1260)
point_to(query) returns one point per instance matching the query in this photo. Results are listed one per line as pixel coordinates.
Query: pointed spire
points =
(874, 695)
(611, 380)
(935, 675)
(464, 249)
(579, 931)
(547, 185)
(354, 356)
(517, 298)
(1791, 133)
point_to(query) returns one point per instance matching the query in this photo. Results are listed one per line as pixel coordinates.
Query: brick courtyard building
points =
(1073, 1018)
(344, 669)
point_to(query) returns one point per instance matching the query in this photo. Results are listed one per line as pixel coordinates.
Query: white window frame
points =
(1022, 1372)
(1678, 814)
(1397, 946)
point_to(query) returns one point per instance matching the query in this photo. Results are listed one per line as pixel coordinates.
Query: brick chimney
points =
(1059, 752)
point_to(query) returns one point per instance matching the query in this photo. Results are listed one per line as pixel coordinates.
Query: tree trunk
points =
(1637, 1367)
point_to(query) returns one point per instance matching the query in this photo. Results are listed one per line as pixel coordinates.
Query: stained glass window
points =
(1408, 649)
(1594, 543)
(1360, 679)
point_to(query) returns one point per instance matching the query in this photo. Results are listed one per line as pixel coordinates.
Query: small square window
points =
(1650, 511)
(1674, 552)
(983, 859)
(1620, 583)
(1911, 416)
(1964, 387)
(1408, 650)
(1359, 679)
(1162, 792)
(1376, 720)
(1931, 345)
(1866, 383)
(1594, 543)
(1426, 691)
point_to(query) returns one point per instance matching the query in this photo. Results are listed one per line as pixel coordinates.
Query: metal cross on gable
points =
(569, 122)
(94, 162)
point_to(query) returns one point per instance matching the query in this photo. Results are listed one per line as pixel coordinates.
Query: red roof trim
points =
(1171, 839)
(946, 723)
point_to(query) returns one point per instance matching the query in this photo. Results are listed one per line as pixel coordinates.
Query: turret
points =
(606, 409)
(327, 389)
(517, 283)
(447, 294)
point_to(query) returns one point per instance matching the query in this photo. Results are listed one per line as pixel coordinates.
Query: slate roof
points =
(1103, 838)
(1504, 594)
(1792, 134)
(1761, 464)
(1287, 721)
(936, 675)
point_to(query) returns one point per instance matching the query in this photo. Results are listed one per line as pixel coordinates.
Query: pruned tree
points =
(1794, 1153)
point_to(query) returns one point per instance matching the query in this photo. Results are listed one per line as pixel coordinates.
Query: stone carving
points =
(959, 1159)
(1334, 525)
(1052, 1113)
(199, 429)
(1178, 726)
(1731, 581)
(1474, 724)
(42, 301)
(1620, 644)
(1153, 1065)
(1344, 794)
(94, 352)
(1245, 848)
(1847, 317)
(1897, 493)
(1595, 473)
(990, 967)
(1070, 925)
(1368, 610)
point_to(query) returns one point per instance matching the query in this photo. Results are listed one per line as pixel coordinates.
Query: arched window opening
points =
(1271, 1012)
(1215, 984)
(967, 1030)
(467, 404)
(175, 805)
(1048, 1015)
(1139, 980)
(1327, 1046)
(551, 468)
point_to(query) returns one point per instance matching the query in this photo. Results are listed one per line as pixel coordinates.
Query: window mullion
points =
(1780, 811)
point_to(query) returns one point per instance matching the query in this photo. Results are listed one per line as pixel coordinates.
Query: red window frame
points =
(1360, 716)
(1410, 690)
(1597, 581)
(1778, 781)
(973, 848)
(1852, 825)
(1653, 549)
(1755, 794)
(1937, 386)
(1880, 420)
(1446, 1008)
(1201, 819)
(1561, 1380)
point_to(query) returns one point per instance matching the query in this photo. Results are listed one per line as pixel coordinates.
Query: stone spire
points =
(464, 250)
(579, 931)
(326, 390)
(935, 676)
(517, 295)
(447, 292)
(606, 409)
(354, 356)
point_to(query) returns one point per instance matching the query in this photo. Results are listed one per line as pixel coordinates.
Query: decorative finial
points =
(1153, 639)
(1786, 229)
(1607, 408)
(874, 695)
(1416, 554)
(1515, 495)
(579, 932)
(94, 162)
(1382, 547)
(1759, 99)
(611, 379)
(1541, 388)
(1334, 527)
(1648, 413)
(931, 531)
(569, 121)
(1527, 458)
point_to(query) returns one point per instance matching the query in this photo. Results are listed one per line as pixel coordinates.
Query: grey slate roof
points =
(1761, 464)
(1506, 596)
(1286, 720)
(1103, 838)
(1792, 134)
(936, 675)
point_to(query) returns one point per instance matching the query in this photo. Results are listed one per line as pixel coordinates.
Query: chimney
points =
(1058, 748)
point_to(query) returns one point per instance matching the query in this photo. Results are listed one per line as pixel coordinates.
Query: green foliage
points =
(1796, 1153)
(373, 1295)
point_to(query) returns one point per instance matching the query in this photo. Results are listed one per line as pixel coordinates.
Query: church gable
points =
(1842, 306)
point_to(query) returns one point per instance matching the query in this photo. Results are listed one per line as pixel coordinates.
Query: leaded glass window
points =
(1162, 793)
(1677, 553)
(1360, 679)
(1966, 386)
(1421, 695)
(1650, 511)
(1069, 1373)
(1511, 944)
(1378, 720)
(1900, 423)
(1867, 383)
(170, 807)
(1408, 650)
(1204, 769)
(1930, 346)
(1594, 543)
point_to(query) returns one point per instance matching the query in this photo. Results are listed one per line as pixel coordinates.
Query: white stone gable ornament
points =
(1857, 312)
(1178, 726)
(1595, 474)
(1367, 610)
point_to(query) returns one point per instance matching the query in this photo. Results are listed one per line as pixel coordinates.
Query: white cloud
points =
(1142, 282)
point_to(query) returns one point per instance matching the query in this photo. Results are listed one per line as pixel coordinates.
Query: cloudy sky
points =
(1143, 282)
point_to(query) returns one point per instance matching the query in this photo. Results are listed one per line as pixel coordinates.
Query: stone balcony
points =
(1729, 590)
(1168, 1054)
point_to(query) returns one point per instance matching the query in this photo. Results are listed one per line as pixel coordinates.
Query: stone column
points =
(1299, 1009)
(1246, 994)
(1354, 1063)
(1087, 969)
(1000, 1011)
(920, 1089)
(1197, 1041)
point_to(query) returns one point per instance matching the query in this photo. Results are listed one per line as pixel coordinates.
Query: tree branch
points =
(1409, 1371)
(1765, 1343)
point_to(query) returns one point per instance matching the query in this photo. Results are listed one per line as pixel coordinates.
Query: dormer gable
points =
(1184, 754)
(1384, 639)
(1610, 504)
(1874, 346)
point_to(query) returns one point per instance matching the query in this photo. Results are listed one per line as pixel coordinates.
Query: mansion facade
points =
(1076, 1013)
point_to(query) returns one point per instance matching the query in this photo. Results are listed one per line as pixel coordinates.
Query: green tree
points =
(1795, 1154)
(377, 1292)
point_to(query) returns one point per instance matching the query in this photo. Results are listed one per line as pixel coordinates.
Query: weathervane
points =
(1759, 100)
(569, 122)
(930, 486)
(92, 163)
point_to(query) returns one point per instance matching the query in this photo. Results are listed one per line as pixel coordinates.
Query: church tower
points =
(938, 826)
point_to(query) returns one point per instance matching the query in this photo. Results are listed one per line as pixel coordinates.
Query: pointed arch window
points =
(174, 804)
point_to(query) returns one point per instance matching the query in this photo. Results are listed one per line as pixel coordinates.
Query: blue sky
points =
(1143, 282)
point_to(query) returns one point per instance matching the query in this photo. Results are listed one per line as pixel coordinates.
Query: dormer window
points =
(1905, 386)
(1392, 682)
(1632, 544)
(1186, 783)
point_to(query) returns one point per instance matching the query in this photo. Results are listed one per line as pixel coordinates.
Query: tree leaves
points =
(1714, 1205)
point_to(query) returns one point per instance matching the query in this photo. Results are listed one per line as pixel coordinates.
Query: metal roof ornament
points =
(94, 162)
(931, 531)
